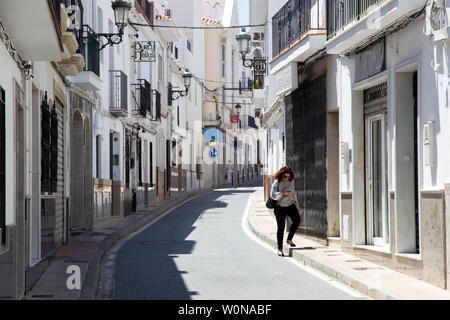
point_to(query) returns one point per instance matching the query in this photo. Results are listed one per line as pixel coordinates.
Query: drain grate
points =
(353, 260)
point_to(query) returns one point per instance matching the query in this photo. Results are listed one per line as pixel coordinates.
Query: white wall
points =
(10, 73)
(409, 47)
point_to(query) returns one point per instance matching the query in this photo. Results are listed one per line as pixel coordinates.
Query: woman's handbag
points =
(271, 204)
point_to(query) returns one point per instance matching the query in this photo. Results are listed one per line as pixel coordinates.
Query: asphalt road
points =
(200, 251)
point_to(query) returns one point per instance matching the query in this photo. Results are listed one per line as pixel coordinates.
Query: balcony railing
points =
(142, 97)
(246, 84)
(248, 122)
(57, 8)
(342, 12)
(89, 48)
(296, 18)
(75, 10)
(118, 102)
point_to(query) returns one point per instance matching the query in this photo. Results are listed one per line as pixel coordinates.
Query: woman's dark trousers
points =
(280, 214)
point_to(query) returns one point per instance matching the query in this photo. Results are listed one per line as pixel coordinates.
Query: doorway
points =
(78, 183)
(375, 109)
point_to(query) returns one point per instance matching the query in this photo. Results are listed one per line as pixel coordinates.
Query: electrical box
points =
(429, 147)
(345, 158)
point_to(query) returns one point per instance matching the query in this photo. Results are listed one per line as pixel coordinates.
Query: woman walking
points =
(287, 205)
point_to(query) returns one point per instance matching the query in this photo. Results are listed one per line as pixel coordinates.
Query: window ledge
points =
(412, 256)
(386, 250)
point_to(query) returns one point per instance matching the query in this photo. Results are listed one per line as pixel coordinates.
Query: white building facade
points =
(394, 99)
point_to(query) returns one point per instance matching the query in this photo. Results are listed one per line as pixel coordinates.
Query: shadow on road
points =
(145, 266)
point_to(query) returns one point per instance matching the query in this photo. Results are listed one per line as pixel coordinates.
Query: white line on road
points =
(333, 282)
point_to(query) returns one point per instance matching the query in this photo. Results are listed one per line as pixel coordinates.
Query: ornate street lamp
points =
(258, 62)
(237, 109)
(136, 128)
(121, 11)
(176, 94)
(243, 40)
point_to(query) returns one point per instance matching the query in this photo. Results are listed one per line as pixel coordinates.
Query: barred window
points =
(2, 167)
(49, 147)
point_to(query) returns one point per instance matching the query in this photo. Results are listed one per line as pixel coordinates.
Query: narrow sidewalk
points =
(48, 279)
(369, 278)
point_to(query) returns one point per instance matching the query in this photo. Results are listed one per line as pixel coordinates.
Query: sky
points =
(243, 11)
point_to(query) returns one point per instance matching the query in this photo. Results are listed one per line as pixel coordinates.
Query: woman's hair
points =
(279, 175)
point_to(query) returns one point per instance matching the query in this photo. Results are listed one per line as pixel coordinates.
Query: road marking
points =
(331, 281)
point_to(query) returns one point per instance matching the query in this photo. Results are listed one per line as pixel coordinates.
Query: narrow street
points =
(199, 251)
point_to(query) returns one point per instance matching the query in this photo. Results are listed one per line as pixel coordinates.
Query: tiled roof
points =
(164, 18)
(211, 21)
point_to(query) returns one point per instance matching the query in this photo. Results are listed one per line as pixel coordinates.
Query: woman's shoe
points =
(280, 253)
(291, 243)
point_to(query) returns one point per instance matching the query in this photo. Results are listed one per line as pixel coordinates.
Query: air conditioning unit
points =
(438, 19)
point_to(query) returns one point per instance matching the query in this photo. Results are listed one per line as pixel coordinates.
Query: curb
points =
(90, 283)
(331, 271)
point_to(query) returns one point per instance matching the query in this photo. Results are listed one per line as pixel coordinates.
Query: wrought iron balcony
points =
(293, 21)
(342, 12)
(118, 93)
(89, 48)
(246, 84)
(247, 122)
(56, 8)
(74, 9)
(142, 98)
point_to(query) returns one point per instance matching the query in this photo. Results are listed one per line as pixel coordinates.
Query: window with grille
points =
(127, 158)
(139, 161)
(223, 57)
(49, 147)
(54, 150)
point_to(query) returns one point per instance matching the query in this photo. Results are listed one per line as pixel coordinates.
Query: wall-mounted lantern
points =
(121, 11)
(258, 63)
(176, 94)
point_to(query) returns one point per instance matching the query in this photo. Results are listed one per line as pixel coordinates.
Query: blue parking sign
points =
(213, 153)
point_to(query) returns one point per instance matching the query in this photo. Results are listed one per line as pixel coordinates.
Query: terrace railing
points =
(342, 12)
(294, 20)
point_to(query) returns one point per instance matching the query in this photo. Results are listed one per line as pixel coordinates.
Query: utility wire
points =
(217, 81)
(197, 28)
(236, 97)
(227, 103)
